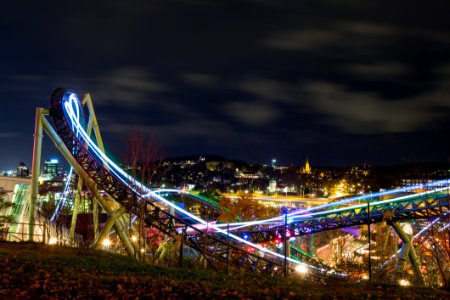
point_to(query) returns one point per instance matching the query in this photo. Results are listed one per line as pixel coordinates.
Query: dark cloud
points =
(126, 87)
(252, 113)
(6, 135)
(379, 70)
(367, 113)
(337, 81)
(200, 79)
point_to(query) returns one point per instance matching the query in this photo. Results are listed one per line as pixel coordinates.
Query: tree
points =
(4, 217)
(4, 205)
(245, 208)
(144, 157)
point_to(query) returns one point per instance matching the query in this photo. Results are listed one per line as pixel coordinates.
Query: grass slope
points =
(31, 270)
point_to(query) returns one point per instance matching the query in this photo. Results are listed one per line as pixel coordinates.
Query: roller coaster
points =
(72, 125)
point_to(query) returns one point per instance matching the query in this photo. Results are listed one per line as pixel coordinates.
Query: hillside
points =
(38, 271)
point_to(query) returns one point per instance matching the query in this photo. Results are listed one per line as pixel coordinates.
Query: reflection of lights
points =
(134, 238)
(404, 282)
(52, 241)
(106, 242)
(142, 250)
(302, 269)
(365, 277)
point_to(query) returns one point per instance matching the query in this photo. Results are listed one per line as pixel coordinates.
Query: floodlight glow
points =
(106, 243)
(302, 269)
(404, 282)
(52, 241)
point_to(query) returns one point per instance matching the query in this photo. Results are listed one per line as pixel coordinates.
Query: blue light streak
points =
(71, 108)
(63, 198)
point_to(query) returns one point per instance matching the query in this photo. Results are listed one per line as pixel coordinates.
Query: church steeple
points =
(307, 168)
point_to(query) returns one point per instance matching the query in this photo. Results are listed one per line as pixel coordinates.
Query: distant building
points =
(22, 170)
(51, 169)
(52, 178)
(414, 181)
(306, 169)
(272, 186)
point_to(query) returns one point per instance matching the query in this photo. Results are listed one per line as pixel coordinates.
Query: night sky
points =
(341, 82)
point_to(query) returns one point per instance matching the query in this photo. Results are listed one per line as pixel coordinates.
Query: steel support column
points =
(406, 251)
(76, 207)
(35, 169)
(86, 179)
(93, 124)
(108, 226)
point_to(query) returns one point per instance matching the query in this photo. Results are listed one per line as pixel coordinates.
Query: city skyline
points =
(251, 80)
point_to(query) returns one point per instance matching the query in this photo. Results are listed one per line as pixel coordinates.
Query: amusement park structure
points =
(72, 125)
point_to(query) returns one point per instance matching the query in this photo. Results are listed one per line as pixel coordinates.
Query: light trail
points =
(63, 199)
(306, 213)
(361, 206)
(71, 107)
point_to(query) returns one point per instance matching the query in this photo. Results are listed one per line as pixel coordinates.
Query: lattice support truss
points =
(210, 245)
(416, 208)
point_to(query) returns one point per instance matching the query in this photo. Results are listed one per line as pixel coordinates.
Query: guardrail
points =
(46, 233)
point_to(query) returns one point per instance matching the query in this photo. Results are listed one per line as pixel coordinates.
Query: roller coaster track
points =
(236, 248)
(424, 205)
(219, 247)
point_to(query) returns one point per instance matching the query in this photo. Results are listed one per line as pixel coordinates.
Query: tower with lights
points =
(306, 168)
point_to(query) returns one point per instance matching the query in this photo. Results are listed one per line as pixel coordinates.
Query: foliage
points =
(154, 238)
(244, 209)
(168, 252)
(3, 206)
(144, 157)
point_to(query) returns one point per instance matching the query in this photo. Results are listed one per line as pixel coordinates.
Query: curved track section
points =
(428, 204)
(216, 245)
(239, 246)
